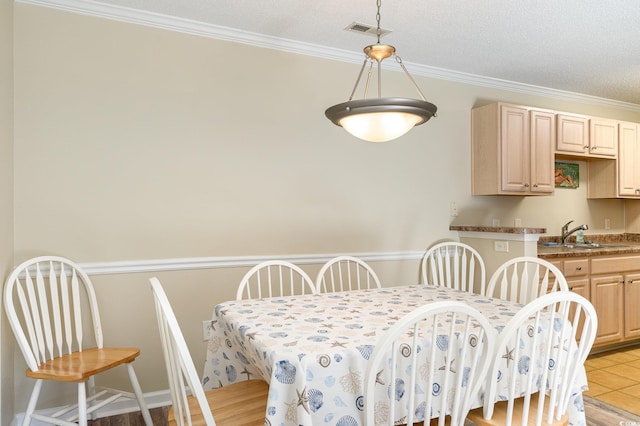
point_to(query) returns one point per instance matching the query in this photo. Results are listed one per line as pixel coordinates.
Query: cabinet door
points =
(573, 134)
(580, 286)
(603, 137)
(542, 140)
(631, 311)
(514, 147)
(629, 161)
(607, 297)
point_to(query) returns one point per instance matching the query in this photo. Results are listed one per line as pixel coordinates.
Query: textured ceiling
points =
(589, 47)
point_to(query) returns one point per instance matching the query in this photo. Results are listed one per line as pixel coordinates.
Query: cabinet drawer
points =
(576, 268)
(617, 264)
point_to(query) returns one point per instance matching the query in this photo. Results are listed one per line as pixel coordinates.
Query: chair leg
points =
(82, 404)
(91, 391)
(31, 406)
(139, 395)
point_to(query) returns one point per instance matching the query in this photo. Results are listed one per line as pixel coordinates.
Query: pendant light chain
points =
(379, 31)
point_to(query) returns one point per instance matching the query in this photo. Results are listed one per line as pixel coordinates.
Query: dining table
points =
(313, 349)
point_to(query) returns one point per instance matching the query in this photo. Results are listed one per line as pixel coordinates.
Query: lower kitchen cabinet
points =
(612, 284)
(631, 309)
(607, 296)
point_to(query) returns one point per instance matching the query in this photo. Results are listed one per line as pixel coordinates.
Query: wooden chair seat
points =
(79, 366)
(240, 404)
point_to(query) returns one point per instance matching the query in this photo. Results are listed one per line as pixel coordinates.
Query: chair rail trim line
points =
(181, 264)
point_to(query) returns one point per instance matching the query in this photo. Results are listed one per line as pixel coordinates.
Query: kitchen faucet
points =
(566, 233)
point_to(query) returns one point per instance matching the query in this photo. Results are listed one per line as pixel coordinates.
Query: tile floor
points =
(614, 377)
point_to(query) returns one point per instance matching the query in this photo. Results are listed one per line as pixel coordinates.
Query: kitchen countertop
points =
(497, 229)
(623, 244)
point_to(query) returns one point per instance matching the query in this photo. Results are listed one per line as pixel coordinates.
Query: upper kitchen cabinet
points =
(621, 178)
(512, 150)
(582, 136)
(629, 161)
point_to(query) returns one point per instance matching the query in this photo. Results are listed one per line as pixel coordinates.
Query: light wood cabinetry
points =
(629, 161)
(631, 308)
(573, 134)
(621, 178)
(584, 136)
(603, 137)
(576, 271)
(512, 150)
(615, 281)
(612, 284)
(607, 297)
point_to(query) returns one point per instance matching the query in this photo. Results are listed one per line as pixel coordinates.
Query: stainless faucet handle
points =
(566, 226)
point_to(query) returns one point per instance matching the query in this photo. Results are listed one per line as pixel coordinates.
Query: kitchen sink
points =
(588, 246)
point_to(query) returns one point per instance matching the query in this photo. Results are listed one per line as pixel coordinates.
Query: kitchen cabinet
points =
(607, 297)
(612, 284)
(629, 161)
(615, 292)
(576, 271)
(512, 150)
(573, 134)
(631, 300)
(603, 137)
(584, 136)
(621, 178)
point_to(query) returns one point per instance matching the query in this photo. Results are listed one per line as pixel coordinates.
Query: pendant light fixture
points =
(380, 119)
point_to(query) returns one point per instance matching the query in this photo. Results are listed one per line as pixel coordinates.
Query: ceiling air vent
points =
(371, 30)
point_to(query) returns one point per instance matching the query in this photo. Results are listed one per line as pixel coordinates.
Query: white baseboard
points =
(123, 406)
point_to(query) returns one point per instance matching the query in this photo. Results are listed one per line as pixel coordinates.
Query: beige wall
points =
(138, 143)
(6, 200)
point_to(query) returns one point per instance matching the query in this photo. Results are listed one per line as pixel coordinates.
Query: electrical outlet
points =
(502, 246)
(207, 330)
(607, 224)
(517, 223)
(495, 222)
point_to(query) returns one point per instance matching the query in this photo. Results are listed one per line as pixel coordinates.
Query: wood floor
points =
(613, 397)
(158, 416)
(597, 413)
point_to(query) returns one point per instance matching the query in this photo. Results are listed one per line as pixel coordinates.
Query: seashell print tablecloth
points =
(313, 349)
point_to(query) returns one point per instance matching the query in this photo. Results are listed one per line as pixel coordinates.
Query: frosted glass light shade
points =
(380, 119)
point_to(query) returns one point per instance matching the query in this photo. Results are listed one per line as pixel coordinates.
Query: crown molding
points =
(187, 26)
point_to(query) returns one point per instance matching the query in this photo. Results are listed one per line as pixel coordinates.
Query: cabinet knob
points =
(586, 147)
(594, 148)
(578, 268)
(535, 185)
(630, 281)
(526, 185)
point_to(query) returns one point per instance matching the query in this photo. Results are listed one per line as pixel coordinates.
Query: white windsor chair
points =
(344, 273)
(274, 278)
(47, 300)
(454, 265)
(410, 345)
(524, 279)
(555, 321)
(242, 403)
